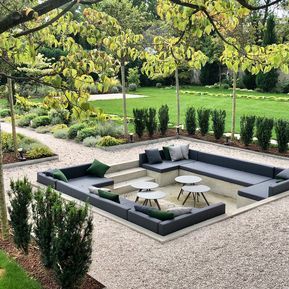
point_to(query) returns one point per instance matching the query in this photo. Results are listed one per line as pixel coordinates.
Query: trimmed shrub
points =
(43, 129)
(249, 80)
(20, 201)
(164, 119)
(282, 135)
(38, 151)
(61, 133)
(7, 142)
(264, 128)
(26, 119)
(132, 87)
(218, 118)
(158, 85)
(44, 229)
(72, 244)
(58, 127)
(151, 123)
(108, 141)
(59, 116)
(191, 120)
(139, 121)
(247, 123)
(109, 128)
(40, 121)
(267, 81)
(86, 132)
(91, 141)
(4, 112)
(72, 131)
(203, 120)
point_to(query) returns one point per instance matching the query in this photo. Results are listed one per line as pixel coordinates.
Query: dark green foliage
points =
(40, 121)
(59, 116)
(249, 80)
(209, 74)
(4, 112)
(267, 81)
(72, 244)
(203, 120)
(20, 201)
(44, 230)
(282, 134)
(264, 128)
(247, 123)
(26, 119)
(139, 121)
(163, 115)
(218, 118)
(52, 53)
(270, 36)
(191, 120)
(151, 122)
(72, 131)
(132, 87)
(86, 132)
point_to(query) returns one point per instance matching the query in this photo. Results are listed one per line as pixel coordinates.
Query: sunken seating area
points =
(227, 176)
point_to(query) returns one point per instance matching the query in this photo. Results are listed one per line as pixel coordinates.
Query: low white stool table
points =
(196, 190)
(186, 180)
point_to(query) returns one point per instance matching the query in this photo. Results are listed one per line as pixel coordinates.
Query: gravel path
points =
(248, 251)
(113, 96)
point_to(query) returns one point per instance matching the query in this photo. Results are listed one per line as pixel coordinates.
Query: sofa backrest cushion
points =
(236, 164)
(283, 175)
(278, 188)
(193, 155)
(76, 171)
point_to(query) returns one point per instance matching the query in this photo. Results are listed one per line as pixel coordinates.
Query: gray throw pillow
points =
(185, 151)
(94, 190)
(180, 211)
(176, 153)
(143, 209)
(283, 175)
(153, 156)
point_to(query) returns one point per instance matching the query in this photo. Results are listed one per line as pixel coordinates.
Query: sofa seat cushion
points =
(86, 181)
(257, 192)
(225, 174)
(166, 166)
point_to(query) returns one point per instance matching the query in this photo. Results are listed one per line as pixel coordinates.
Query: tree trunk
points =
(178, 96)
(3, 210)
(13, 124)
(234, 97)
(124, 99)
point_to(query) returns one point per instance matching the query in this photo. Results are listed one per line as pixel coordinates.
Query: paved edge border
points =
(30, 162)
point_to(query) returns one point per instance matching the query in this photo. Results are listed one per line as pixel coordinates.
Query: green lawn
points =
(14, 276)
(159, 96)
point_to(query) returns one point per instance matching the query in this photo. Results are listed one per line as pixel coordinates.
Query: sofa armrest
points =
(143, 220)
(42, 178)
(278, 188)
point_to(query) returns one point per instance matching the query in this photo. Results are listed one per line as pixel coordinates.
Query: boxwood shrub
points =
(282, 134)
(86, 132)
(247, 123)
(264, 128)
(73, 130)
(203, 120)
(26, 119)
(218, 118)
(40, 121)
(191, 120)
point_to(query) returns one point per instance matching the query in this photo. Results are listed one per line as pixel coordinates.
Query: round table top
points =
(188, 179)
(153, 195)
(145, 185)
(196, 189)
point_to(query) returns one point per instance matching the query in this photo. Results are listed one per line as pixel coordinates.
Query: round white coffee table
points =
(187, 180)
(145, 186)
(196, 190)
(149, 196)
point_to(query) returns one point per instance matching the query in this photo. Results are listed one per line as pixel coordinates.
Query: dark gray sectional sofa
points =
(258, 180)
(78, 180)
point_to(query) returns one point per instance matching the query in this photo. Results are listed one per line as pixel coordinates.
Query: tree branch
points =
(25, 32)
(245, 4)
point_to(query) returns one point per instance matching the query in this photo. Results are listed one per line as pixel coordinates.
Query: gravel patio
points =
(248, 251)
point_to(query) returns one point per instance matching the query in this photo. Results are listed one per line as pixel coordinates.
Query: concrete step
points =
(125, 187)
(123, 166)
(126, 175)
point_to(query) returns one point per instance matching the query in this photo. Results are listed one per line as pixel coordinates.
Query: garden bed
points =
(33, 266)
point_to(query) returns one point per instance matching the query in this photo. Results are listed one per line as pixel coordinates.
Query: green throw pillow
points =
(167, 153)
(97, 169)
(59, 175)
(109, 196)
(161, 215)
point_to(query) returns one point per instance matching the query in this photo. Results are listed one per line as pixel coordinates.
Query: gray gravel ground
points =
(247, 251)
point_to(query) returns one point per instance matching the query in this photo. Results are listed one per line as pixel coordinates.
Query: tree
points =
(124, 48)
(167, 57)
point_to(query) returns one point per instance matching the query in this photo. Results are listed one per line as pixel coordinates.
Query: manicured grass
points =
(14, 276)
(159, 96)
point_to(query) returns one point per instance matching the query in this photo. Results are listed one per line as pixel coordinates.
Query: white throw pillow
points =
(185, 151)
(176, 153)
(94, 190)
